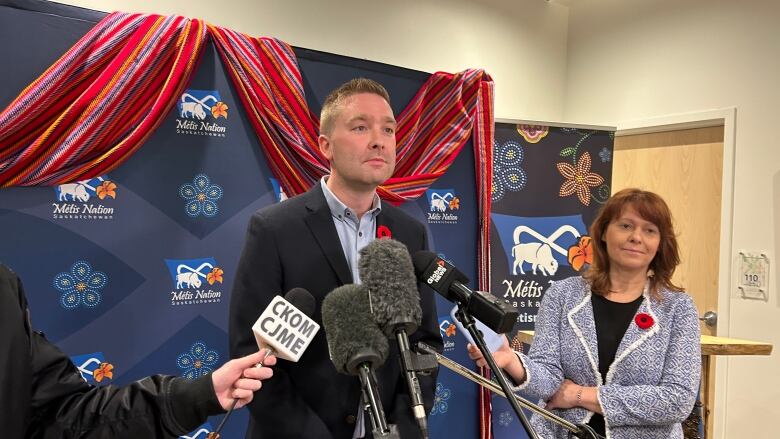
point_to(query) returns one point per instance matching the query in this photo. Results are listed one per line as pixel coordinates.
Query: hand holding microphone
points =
(237, 380)
(495, 313)
(284, 330)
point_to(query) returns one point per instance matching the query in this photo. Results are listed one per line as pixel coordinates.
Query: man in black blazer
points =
(312, 241)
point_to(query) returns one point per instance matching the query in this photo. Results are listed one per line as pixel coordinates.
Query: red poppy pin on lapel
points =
(643, 320)
(383, 232)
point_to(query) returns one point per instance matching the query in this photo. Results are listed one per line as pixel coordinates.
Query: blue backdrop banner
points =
(130, 273)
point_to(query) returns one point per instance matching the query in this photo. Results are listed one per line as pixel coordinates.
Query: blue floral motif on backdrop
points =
(198, 361)
(507, 173)
(505, 418)
(201, 196)
(80, 286)
(440, 401)
(605, 154)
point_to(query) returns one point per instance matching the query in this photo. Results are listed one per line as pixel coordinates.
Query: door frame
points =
(727, 117)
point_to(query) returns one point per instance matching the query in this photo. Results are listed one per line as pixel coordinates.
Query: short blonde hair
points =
(334, 101)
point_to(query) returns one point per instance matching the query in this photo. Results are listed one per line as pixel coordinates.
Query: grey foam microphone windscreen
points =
(386, 268)
(352, 333)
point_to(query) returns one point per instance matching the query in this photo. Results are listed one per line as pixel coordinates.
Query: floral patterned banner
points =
(548, 184)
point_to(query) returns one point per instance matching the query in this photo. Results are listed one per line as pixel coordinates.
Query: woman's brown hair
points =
(652, 208)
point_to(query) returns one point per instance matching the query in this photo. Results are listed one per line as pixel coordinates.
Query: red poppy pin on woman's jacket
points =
(643, 320)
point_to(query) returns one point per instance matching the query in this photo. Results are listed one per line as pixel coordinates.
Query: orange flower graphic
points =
(215, 275)
(579, 179)
(105, 370)
(455, 203)
(106, 189)
(581, 253)
(219, 109)
(450, 330)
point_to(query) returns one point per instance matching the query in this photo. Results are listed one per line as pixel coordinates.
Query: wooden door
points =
(685, 167)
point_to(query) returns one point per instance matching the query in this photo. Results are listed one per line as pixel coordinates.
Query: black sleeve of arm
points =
(64, 405)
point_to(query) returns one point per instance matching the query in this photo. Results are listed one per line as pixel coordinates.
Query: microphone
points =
(497, 314)
(386, 269)
(285, 329)
(357, 346)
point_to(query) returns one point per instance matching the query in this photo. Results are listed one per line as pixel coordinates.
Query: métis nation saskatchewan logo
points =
(201, 432)
(448, 330)
(199, 113)
(85, 199)
(195, 281)
(93, 367)
(279, 192)
(538, 251)
(443, 203)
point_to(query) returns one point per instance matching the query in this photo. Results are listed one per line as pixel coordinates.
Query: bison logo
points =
(538, 245)
(194, 273)
(199, 104)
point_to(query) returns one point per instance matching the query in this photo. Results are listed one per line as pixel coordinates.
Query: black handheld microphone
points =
(297, 302)
(497, 314)
(357, 347)
(385, 267)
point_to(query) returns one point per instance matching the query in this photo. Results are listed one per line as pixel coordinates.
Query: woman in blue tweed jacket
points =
(618, 348)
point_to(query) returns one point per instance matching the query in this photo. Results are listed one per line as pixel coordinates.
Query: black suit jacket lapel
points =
(386, 220)
(320, 222)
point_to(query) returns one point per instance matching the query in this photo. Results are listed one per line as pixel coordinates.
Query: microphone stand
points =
(373, 405)
(411, 363)
(583, 431)
(468, 321)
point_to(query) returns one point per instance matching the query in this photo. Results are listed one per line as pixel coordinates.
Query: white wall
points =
(638, 59)
(521, 43)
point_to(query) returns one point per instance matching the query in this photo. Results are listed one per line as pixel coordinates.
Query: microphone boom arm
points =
(576, 430)
(468, 321)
